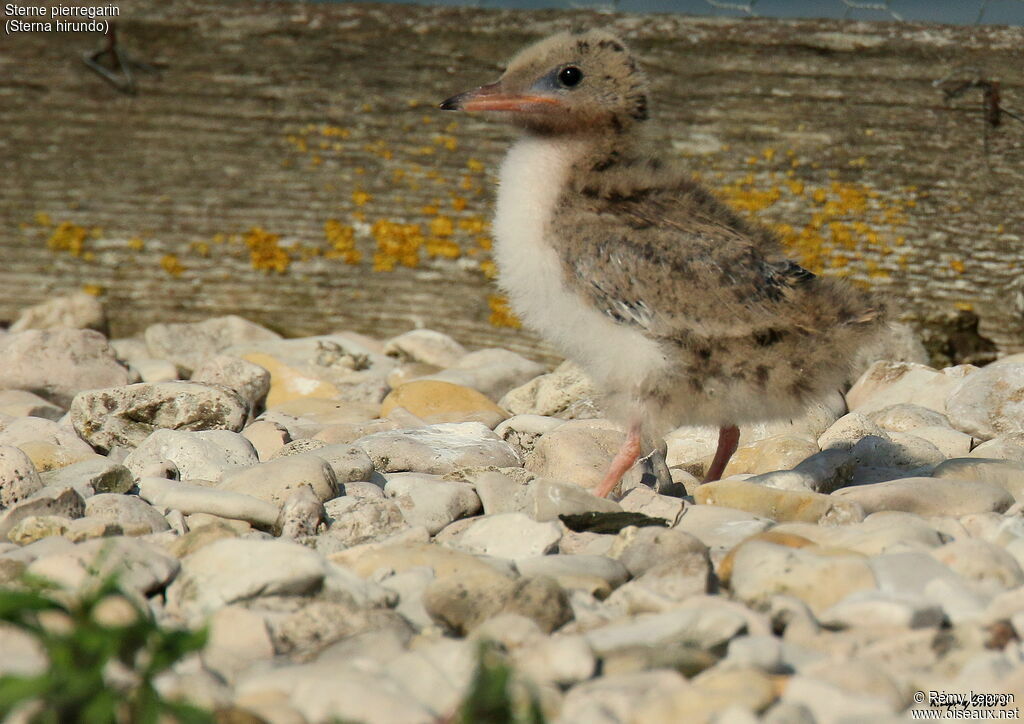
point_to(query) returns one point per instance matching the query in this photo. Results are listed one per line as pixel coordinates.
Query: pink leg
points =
(622, 462)
(728, 440)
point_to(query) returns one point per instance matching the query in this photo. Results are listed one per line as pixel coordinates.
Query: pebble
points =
(549, 499)
(204, 455)
(78, 310)
(132, 513)
(190, 499)
(89, 477)
(21, 403)
(929, 496)
(563, 393)
(492, 372)
(247, 380)
(989, 402)
(429, 501)
(437, 449)
(780, 505)
(276, 480)
(140, 566)
(510, 535)
(880, 609)
(355, 521)
(57, 364)
(1007, 474)
(153, 370)
(126, 416)
(461, 602)
(189, 344)
(778, 452)
(426, 346)
(434, 401)
(65, 502)
(231, 570)
(887, 383)
(18, 477)
(579, 452)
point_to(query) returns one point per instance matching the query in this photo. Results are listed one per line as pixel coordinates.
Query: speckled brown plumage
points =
(681, 311)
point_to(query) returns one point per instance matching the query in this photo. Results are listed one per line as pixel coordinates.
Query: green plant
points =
(494, 696)
(86, 637)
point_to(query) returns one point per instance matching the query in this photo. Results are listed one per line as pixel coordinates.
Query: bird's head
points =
(569, 82)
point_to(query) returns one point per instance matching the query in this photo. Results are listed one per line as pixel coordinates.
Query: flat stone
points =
(761, 570)
(89, 477)
(276, 480)
(191, 499)
(50, 445)
(985, 564)
(434, 401)
(231, 570)
(701, 622)
(365, 560)
(882, 609)
(523, 431)
(189, 344)
(878, 533)
(559, 660)
(929, 496)
(499, 493)
(266, 437)
(951, 443)
(462, 602)
(641, 549)
(780, 505)
(989, 402)
(138, 565)
(77, 310)
(125, 416)
(731, 695)
(21, 403)
(320, 411)
(18, 477)
(896, 450)
(429, 501)
(154, 370)
(493, 371)
(663, 586)
(549, 499)
(247, 380)
(886, 383)
(614, 698)
(88, 528)
(1007, 474)
(1004, 447)
(237, 637)
(36, 527)
(510, 535)
(132, 513)
(823, 700)
(204, 455)
(66, 502)
(915, 573)
(58, 364)
(437, 449)
(907, 417)
(720, 527)
(778, 452)
(642, 499)
(848, 430)
(426, 346)
(568, 570)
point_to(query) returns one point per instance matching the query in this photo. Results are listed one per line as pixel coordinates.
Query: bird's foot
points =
(728, 441)
(623, 461)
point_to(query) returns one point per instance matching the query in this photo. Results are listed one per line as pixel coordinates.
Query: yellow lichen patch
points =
(957, 266)
(342, 239)
(441, 226)
(172, 265)
(43, 219)
(501, 313)
(473, 224)
(964, 306)
(265, 252)
(489, 268)
(437, 246)
(360, 197)
(796, 187)
(201, 248)
(449, 142)
(396, 244)
(68, 237)
(474, 165)
(459, 203)
(94, 290)
(136, 244)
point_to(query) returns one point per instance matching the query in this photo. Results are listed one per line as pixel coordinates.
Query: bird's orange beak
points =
(490, 98)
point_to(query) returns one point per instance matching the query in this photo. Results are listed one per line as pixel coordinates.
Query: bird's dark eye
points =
(570, 76)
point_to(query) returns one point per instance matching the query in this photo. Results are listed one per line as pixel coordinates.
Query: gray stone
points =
(510, 535)
(557, 394)
(189, 344)
(77, 310)
(125, 416)
(720, 527)
(154, 370)
(429, 501)
(426, 346)
(302, 515)
(907, 417)
(987, 565)
(549, 499)
(21, 403)
(64, 502)
(57, 364)
(579, 452)
(35, 433)
(644, 500)
(914, 573)
(989, 402)
(249, 381)
(437, 449)
(231, 570)
(355, 521)
(896, 450)
(190, 499)
(266, 437)
(701, 621)
(204, 455)
(461, 602)
(641, 549)
(350, 464)
(882, 609)
(99, 475)
(929, 496)
(663, 586)
(492, 371)
(848, 430)
(886, 383)
(501, 494)
(614, 698)
(1004, 447)
(565, 568)
(1005, 473)
(410, 585)
(129, 511)
(523, 431)
(559, 661)
(18, 477)
(138, 565)
(276, 480)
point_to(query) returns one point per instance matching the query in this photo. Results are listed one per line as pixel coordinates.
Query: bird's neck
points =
(591, 147)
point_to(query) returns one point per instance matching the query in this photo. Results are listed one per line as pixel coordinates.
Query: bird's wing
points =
(672, 269)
